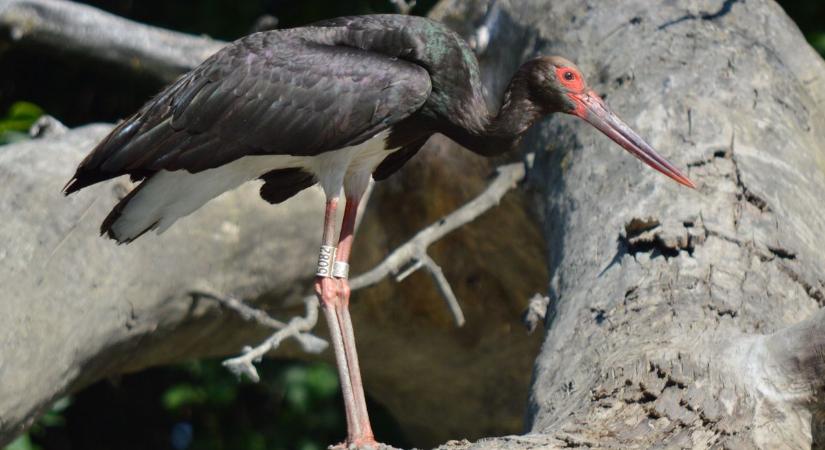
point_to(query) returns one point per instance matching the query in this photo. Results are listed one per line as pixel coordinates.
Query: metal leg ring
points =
(326, 257)
(340, 270)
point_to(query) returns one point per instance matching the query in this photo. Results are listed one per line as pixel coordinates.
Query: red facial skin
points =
(591, 108)
(574, 85)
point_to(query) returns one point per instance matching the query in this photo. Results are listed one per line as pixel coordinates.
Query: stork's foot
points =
(367, 442)
(362, 444)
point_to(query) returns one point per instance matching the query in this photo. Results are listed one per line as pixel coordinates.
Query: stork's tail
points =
(119, 226)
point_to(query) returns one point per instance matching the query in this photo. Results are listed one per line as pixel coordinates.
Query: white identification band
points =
(325, 260)
(340, 270)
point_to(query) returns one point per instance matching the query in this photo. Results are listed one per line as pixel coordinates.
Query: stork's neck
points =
(494, 134)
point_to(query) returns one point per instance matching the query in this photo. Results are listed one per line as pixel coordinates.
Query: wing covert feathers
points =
(268, 93)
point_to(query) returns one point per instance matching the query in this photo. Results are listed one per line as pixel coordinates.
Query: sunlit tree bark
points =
(678, 318)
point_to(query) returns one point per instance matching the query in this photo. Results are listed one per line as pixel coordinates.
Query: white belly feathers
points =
(168, 196)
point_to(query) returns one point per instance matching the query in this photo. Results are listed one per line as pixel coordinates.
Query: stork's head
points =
(557, 85)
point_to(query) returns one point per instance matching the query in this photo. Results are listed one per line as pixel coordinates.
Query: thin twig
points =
(297, 327)
(309, 342)
(412, 255)
(403, 6)
(508, 176)
(536, 311)
(445, 288)
(411, 269)
(245, 311)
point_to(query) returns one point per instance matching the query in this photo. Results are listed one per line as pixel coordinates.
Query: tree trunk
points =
(679, 318)
(75, 307)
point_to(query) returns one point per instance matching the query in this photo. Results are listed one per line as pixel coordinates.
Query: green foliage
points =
(181, 395)
(817, 40)
(53, 418)
(306, 385)
(14, 126)
(809, 16)
(209, 385)
(199, 405)
(300, 403)
(24, 442)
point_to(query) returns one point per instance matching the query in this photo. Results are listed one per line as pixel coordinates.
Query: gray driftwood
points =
(75, 308)
(678, 318)
(76, 30)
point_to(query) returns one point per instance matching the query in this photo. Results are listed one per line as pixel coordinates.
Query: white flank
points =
(168, 196)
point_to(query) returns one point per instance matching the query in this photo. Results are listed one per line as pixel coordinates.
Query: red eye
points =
(569, 78)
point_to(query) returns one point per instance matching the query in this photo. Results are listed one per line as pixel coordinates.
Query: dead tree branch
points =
(403, 6)
(667, 338)
(536, 312)
(411, 256)
(297, 327)
(791, 362)
(309, 342)
(83, 30)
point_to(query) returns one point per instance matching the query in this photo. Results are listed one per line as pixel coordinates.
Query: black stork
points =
(333, 103)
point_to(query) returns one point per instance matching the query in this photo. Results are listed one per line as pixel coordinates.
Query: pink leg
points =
(366, 437)
(329, 294)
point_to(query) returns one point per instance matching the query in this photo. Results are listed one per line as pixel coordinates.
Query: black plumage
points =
(335, 102)
(281, 184)
(316, 89)
(301, 92)
(270, 93)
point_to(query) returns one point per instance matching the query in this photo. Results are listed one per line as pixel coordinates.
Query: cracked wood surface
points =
(679, 318)
(80, 31)
(77, 308)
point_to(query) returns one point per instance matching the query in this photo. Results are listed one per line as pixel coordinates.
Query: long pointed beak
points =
(593, 109)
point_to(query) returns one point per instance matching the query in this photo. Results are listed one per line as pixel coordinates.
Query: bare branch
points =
(480, 40)
(536, 311)
(506, 179)
(88, 31)
(403, 6)
(409, 270)
(790, 363)
(245, 311)
(444, 288)
(411, 256)
(297, 327)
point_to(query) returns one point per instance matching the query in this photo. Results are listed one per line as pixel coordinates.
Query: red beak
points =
(593, 109)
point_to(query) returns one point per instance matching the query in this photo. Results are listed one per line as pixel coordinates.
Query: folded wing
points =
(267, 94)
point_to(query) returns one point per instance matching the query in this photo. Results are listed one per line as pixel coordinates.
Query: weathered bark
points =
(75, 308)
(77, 30)
(680, 318)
